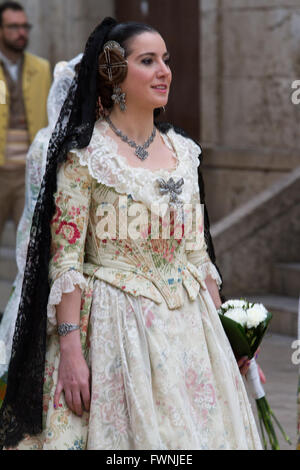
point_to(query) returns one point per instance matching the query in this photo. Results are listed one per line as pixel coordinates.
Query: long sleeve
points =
(196, 248)
(68, 232)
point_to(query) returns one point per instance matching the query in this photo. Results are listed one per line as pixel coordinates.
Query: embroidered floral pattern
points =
(69, 231)
(110, 168)
(163, 373)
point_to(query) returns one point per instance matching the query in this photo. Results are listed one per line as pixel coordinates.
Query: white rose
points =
(256, 315)
(238, 315)
(234, 303)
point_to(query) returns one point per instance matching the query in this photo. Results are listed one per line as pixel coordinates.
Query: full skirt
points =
(161, 379)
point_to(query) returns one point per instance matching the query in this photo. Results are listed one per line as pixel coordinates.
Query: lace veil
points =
(35, 166)
(21, 412)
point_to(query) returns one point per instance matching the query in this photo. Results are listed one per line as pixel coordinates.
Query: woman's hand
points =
(243, 364)
(73, 376)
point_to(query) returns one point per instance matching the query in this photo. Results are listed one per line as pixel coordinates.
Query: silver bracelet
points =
(64, 328)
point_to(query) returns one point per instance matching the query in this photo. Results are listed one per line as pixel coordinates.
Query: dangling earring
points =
(113, 58)
(164, 109)
(118, 97)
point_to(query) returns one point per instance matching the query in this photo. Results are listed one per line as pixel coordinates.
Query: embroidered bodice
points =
(112, 223)
(108, 167)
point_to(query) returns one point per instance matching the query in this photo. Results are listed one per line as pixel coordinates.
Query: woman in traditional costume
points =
(118, 343)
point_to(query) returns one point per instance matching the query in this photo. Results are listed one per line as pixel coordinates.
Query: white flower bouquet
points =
(245, 324)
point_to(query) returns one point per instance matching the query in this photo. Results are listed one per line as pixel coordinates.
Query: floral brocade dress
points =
(163, 372)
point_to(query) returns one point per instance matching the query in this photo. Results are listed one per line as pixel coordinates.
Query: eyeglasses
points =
(16, 27)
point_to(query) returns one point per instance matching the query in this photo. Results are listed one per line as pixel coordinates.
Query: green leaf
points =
(236, 335)
(244, 342)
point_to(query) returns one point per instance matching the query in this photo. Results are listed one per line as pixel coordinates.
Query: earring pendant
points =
(119, 98)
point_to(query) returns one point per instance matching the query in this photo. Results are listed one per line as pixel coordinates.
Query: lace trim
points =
(62, 285)
(110, 168)
(209, 269)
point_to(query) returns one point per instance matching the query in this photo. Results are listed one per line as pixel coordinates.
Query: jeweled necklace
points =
(140, 151)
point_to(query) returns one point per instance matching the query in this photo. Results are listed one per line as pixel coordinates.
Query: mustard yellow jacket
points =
(36, 82)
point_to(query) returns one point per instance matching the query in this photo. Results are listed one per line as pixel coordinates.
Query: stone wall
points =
(250, 55)
(259, 234)
(61, 28)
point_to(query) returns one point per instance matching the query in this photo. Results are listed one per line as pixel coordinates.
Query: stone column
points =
(250, 56)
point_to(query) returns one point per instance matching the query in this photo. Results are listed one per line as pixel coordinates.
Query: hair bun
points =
(112, 64)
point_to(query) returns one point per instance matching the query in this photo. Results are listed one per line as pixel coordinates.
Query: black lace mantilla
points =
(22, 409)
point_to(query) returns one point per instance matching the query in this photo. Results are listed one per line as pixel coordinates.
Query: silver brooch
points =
(173, 188)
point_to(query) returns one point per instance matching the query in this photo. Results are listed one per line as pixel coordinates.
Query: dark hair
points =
(122, 33)
(9, 6)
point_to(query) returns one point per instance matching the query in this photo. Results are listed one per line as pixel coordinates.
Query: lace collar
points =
(110, 168)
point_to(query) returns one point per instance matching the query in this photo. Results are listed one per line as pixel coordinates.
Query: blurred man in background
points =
(27, 80)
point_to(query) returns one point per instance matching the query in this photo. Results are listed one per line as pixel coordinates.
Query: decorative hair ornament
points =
(114, 58)
(114, 45)
(113, 68)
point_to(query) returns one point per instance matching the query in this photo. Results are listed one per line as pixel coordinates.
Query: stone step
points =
(286, 279)
(5, 290)
(8, 237)
(284, 310)
(8, 265)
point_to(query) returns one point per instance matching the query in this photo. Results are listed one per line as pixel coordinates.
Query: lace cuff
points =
(62, 285)
(209, 269)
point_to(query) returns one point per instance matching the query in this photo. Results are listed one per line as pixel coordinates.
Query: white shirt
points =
(13, 68)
